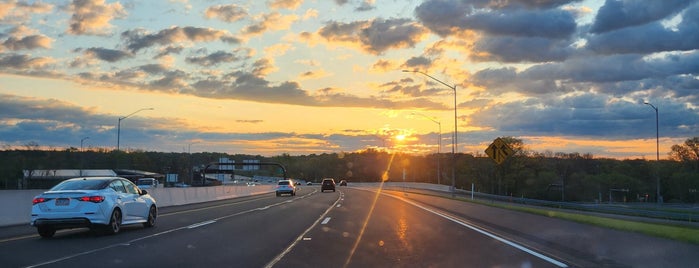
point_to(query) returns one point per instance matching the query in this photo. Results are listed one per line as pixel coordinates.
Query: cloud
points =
(19, 12)
(586, 115)
(614, 15)
(227, 13)
(635, 39)
(375, 36)
(512, 31)
(274, 21)
(285, 4)
(139, 39)
(108, 55)
(93, 17)
(27, 42)
(23, 62)
(213, 59)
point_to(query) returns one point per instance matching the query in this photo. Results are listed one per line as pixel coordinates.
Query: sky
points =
(306, 77)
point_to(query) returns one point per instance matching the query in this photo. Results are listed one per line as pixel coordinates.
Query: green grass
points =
(679, 233)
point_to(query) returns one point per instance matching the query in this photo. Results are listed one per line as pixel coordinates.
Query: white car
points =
(286, 187)
(96, 203)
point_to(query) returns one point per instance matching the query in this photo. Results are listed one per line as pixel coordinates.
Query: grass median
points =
(680, 233)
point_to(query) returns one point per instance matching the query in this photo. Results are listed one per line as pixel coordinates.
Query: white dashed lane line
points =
(326, 220)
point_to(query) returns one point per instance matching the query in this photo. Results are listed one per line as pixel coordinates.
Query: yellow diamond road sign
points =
(499, 151)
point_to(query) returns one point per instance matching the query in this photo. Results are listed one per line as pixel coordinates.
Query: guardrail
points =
(687, 213)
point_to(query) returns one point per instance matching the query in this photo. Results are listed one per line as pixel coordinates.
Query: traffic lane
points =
(20, 250)
(580, 244)
(24, 231)
(246, 239)
(370, 230)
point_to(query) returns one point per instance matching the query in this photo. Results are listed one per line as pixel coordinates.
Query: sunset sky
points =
(322, 76)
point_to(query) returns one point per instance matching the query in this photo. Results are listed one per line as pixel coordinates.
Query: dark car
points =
(343, 183)
(328, 184)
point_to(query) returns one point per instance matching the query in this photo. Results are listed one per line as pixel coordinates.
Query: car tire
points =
(152, 215)
(45, 231)
(278, 195)
(114, 225)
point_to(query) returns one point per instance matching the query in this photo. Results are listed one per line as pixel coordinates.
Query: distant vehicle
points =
(147, 183)
(309, 183)
(343, 183)
(182, 185)
(328, 184)
(286, 187)
(104, 203)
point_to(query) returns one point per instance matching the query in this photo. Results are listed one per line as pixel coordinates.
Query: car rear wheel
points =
(46, 232)
(114, 222)
(152, 214)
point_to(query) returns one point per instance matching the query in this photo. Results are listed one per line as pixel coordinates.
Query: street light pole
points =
(439, 146)
(657, 152)
(81, 155)
(454, 137)
(119, 124)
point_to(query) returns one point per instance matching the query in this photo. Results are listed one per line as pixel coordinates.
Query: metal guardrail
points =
(683, 213)
(666, 212)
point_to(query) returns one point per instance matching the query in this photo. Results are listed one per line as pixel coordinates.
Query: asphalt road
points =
(348, 228)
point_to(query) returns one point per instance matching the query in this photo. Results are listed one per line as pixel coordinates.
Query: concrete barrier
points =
(16, 205)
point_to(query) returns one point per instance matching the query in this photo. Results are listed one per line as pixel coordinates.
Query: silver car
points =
(286, 187)
(103, 203)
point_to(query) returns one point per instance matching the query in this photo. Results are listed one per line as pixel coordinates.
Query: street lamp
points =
(81, 155)
(454, 137)
(657, 151)
(81, 143)
(119, 124)
(439, 145)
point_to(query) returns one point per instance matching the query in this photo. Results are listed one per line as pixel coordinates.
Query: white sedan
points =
(97, 203)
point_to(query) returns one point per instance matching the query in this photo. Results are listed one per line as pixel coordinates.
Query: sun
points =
(400, 137)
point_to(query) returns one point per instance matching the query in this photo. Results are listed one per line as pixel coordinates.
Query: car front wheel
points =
(46, 232)
(114, 222)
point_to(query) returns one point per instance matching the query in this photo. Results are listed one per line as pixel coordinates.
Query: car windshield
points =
(79, 185)
(287, 183)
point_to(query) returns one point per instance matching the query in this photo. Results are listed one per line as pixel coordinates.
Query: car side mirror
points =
(144, 192)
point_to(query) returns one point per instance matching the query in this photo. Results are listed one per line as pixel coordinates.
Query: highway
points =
(353, 227)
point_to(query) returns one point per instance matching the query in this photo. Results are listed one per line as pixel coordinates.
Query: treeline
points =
(548, 176)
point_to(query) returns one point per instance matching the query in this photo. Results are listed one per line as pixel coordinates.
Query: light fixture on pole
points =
(454, 143)
(119, 124)
(657, 152)
(439, 145)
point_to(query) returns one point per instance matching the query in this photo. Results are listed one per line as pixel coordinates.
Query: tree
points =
(687, 152)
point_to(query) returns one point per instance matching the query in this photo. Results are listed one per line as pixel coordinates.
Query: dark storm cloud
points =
(139, 39)
(651, 37)
(375, 36)
(615, 14)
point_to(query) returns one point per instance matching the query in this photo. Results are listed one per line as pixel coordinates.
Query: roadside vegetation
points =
(569, 177)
